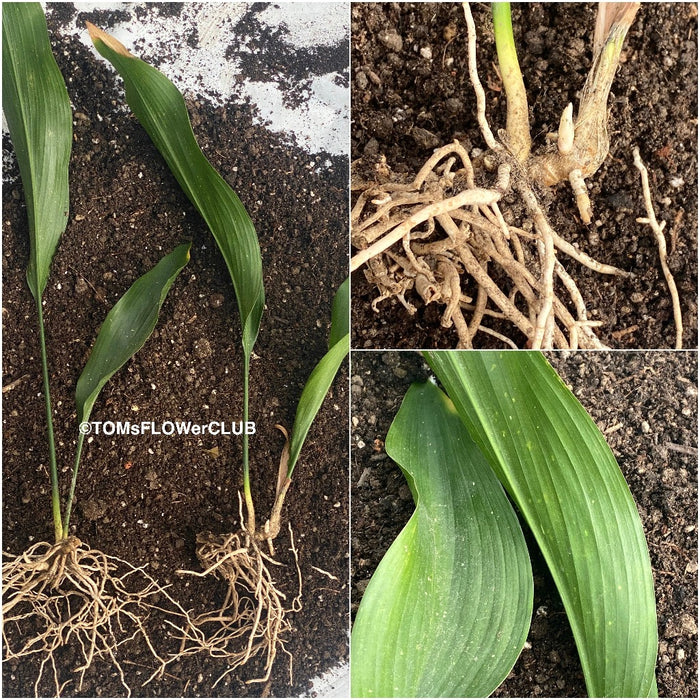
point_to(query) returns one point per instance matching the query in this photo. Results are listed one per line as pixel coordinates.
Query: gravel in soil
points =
(645, 403)
(144, 499)
(411, 93)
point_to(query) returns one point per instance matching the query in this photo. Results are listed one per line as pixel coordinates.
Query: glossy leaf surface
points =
(37, 108)
(560, 472)
(160, 108)
(447, 611)
(128, 325)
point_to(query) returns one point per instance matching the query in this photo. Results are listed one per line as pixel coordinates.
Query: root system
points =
(67, 593)
(443, 236)
(252, 620)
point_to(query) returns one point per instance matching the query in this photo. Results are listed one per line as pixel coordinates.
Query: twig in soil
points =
(68, 593)
(658, 230)
(13, 384)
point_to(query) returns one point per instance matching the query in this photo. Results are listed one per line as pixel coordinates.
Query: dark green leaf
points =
(321, 378)
(127, 327)
(36, 106)
(161, 109)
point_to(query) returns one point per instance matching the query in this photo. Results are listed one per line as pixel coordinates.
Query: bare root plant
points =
(67, 593)
(445, 237)
(252, 620)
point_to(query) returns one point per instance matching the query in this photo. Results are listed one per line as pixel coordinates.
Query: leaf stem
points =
(250, 508)
(55, 494)
(74, 479)
(517, 119)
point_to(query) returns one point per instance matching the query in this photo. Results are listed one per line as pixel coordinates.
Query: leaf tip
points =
(97, 34)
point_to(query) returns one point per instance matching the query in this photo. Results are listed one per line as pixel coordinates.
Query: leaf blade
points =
(160, 108)
(126, 328)
(37, 108)
(457, 572)
(557, 467)
(322, 376)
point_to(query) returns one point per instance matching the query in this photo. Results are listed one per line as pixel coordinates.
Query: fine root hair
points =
(252, 620)
(68, 594)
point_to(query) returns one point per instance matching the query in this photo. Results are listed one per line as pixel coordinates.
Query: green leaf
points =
(448, 609)
(127, 327)
(340, 316)
(320, 380)
(557, 467)
(161, 109)
(37, 108)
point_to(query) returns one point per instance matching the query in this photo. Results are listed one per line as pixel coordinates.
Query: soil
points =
(411, 94)
(646, 405)
(144, 499)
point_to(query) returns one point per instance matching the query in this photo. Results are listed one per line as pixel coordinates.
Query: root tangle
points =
(67, 593)
(252, 620)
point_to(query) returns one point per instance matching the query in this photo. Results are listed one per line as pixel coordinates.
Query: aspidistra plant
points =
(68, 589)
(160, 108)
(508, 415)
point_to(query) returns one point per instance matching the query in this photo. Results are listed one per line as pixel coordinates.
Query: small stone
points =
(682, 625)
(80, 286)
(424, 138)
(400, 372)
(93, 510)
(391, 40)
(646, 428)
(427, 53)
(361, 80)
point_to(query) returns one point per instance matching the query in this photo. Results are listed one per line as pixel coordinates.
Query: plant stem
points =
(53, 469)
(517, 119)
(74, 479)
(250, 508)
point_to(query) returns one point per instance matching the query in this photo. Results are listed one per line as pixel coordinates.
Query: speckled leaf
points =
(557, 467)
(447, 611)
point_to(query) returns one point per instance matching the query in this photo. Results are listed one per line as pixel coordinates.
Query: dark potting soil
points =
(411, 94)
(645, 403)
(144, 499)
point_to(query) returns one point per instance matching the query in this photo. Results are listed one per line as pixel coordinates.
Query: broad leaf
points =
(557, 467)
(448, 609)
(320, 380)
(127, 327)
(161, 109)
(37, 108)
